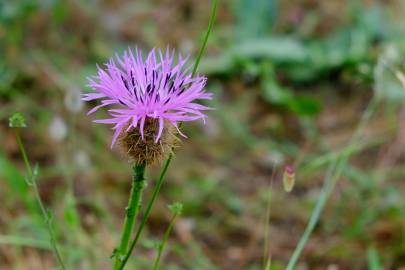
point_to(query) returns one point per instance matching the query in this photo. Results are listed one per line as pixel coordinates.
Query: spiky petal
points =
(156, 87)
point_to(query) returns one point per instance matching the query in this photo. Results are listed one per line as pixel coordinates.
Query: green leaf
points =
(303, 105)
(70, 211)
(275, 94)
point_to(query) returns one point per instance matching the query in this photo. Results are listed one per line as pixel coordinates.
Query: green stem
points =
(131, 211)
(23, 153)
(266, 255)
(207, 34)
(334, 172)
(147, 211)
(32, 175)
(164, 241)
(169, 159)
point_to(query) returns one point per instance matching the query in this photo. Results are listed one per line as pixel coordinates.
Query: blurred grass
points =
(290, 80)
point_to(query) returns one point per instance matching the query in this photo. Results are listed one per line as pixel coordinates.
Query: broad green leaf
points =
(254, 17)
(277, 49)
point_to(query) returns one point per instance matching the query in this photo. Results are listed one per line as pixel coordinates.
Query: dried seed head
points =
(146, 150)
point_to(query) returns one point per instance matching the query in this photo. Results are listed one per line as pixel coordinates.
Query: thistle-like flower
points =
(149, 98)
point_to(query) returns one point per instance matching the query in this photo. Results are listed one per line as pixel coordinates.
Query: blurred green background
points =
(291, 81)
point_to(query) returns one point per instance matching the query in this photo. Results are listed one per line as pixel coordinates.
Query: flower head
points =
(153, 92)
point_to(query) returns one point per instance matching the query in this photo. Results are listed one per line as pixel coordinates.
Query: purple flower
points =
(155, 88)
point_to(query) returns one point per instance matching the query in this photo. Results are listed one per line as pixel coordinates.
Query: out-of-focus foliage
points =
(253, 21)
(388, 75)
(349, 49)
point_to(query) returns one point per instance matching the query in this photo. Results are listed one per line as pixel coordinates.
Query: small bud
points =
(17, 120)
(288, 178)
(176, 208)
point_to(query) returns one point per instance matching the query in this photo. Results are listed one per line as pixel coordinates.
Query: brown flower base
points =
(146, 151)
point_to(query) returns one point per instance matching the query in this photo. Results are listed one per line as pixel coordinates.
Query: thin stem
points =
(23, 153)
(32, 175)
(131, 211)
(147, 211)
(333, 174)
(266, 255)
(48, 222)
(169, 159)
(207, 34)
(164, 241)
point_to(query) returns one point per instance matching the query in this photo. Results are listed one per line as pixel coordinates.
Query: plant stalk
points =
(164, 241)
(131, 211)
(147, 212)
(31, 180)
(207, 34)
